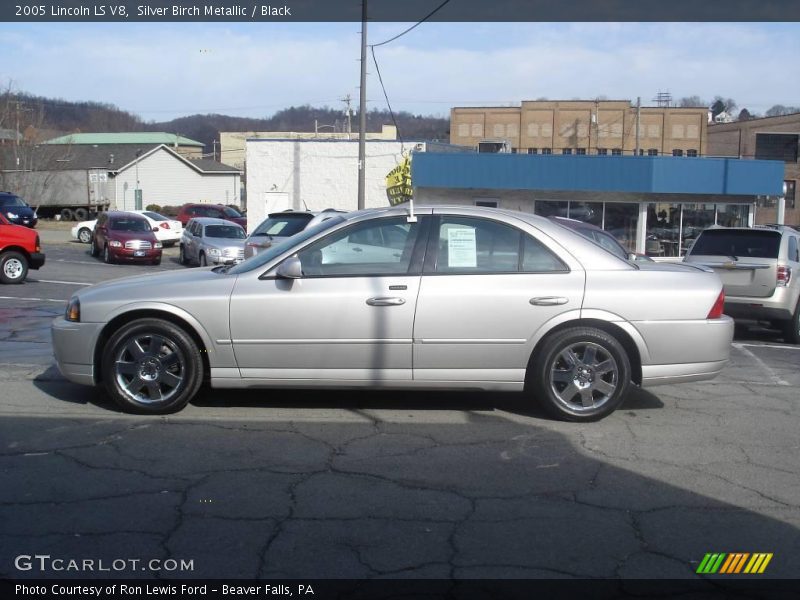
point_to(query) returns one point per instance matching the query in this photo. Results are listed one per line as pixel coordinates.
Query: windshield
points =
(282, 226)
(155, 216)
(231, 212)
(11, 201)
(262, 258)
(738, 243)
(229, 232)
(129, 224)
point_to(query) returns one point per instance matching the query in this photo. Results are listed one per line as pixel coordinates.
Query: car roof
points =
(123, 213)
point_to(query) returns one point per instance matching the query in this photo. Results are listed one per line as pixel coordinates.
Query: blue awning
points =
(638, 174)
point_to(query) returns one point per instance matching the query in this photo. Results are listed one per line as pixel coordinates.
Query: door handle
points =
(385, 301)
(549, 301)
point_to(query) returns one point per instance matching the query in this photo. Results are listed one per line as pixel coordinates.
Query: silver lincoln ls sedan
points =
(449, 298)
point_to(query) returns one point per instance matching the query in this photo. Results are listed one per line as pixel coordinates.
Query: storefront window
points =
(732, 215)
(620, 221)
(551, 208)
(663, 229)
(696, 217)
(588, 212)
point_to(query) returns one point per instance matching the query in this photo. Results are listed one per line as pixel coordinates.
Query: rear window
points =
(155, 216)
(283, 225)
(738, 243)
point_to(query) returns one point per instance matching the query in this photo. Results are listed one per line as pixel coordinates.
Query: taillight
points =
(783, 276)
(164, 225)
(38, 244)
(716, 310)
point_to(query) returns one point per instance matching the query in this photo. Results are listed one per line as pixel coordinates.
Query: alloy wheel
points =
(149, 368)
(583, 376)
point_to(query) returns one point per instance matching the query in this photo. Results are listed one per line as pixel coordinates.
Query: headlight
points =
(12, 215)
(73, 310)
(115, 244)
(214, 252)
(157, 245)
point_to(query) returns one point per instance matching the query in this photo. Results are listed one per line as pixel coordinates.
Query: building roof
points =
(111, 157)
(138, 137)
(757, 122)
(624, 174)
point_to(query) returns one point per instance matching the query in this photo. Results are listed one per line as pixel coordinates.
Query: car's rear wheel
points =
(85, 235)
(13, 267)
(791, 328)
(580, 374)
(152, 366)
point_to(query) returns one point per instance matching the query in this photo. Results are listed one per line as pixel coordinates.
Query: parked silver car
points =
(207, 240)
(459, 297)
(280, 225)
(760, 269)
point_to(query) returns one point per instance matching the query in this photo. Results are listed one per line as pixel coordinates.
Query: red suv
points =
(217, 211)
(121, 236)
(19, 251)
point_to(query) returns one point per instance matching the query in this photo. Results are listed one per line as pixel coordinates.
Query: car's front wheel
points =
(13, 267)
(580, 374)
(152, 366)
(107, 258)
(85, 235)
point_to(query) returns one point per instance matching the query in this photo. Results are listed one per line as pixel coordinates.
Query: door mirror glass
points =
(155, 229)
(291, 268)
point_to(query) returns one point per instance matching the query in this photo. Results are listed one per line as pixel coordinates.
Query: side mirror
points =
(632, 256)
(155, 229)
(291, 268)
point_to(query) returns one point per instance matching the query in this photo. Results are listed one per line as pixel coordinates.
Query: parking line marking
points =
(787, 347)
(32, 299)
(64, 282)
(770, 373)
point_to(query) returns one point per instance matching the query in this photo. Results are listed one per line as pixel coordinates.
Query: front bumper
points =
(37, 260)
(25, 221)
(73, 347)
(129, 255)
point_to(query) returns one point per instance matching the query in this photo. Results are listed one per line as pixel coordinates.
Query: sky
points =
(162, 71)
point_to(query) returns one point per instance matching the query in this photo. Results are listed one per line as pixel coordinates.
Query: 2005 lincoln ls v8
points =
(453, 297)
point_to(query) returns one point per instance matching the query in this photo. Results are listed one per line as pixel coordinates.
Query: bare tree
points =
(779, 110)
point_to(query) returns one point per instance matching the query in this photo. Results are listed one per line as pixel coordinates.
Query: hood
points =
(20, 211)
(239, 221)
(223, 242)
(186, 289)
(125, 236)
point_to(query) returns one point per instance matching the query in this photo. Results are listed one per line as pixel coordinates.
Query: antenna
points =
(663, 99)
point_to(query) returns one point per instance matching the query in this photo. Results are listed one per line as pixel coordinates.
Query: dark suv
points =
(16, 210)
(760, 269)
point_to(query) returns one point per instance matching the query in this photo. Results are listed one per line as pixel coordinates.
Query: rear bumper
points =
(37, 260)
(665, 374)
(779, 306)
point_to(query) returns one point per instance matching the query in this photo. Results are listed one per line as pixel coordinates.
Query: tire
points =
(93, 248)
(151, 366)
(157, 261)
(81, 214)
(67, 214)
(564, 375)
(182, 256)
(791, 328)
(107, 256)
(203, 262)
(13, 267)
(85, 235)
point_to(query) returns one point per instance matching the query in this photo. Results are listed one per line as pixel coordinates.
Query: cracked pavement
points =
(320, 484)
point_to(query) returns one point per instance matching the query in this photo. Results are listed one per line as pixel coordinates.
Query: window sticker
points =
(462, 250)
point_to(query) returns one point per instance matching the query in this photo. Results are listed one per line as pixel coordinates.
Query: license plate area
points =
(139, 253)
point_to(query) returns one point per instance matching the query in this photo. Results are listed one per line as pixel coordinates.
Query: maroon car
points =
(125, 237)
(216, 211)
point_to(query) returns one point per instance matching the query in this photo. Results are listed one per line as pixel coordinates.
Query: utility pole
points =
(348, 113)
(638, 115)
(362, 117)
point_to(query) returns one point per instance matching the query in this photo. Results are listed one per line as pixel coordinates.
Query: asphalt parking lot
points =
(317, 484)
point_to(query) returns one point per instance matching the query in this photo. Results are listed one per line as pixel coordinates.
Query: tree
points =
(779, 110)
(692, 101)
(721, 104)
(744, 115)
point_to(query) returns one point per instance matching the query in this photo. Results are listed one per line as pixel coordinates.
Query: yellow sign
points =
(398, 183)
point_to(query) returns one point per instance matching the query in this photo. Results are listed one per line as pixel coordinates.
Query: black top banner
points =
(399, 10)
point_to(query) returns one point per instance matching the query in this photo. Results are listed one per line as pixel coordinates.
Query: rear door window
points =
(741, 243)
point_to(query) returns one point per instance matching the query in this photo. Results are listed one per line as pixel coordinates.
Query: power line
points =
(385, 95)
(429, 15)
